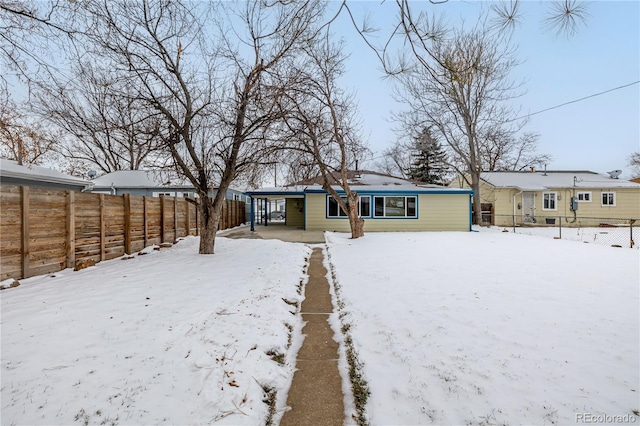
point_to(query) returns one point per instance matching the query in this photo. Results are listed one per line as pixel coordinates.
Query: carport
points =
(294, 205)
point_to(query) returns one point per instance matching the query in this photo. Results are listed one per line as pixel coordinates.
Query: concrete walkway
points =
(316, 396)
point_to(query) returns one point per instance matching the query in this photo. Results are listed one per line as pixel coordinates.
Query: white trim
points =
(590, 197)
(608, 205)
(555, 201)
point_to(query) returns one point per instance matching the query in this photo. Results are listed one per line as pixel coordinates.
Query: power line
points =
(576, 100)
(558, 106)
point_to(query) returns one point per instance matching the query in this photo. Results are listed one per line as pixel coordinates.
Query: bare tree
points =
(108, 127)
(215, 105)
(502, 150)
(32, 35)
(395, 159)
(321, 125)
(634, 162)
(22, 138)
(461, 95)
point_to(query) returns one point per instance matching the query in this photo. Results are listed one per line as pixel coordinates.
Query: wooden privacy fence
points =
(43, 231)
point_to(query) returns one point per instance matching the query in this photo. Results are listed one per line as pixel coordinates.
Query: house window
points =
(395, 206)
(584, 197)
(334, 210)
(365, 206)
(236, 197)
(549, 200)
(608, 198)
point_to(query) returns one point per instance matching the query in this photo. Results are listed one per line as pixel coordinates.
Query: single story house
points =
(385, 202)
(152, 183)
(12, 173)
(580, 198)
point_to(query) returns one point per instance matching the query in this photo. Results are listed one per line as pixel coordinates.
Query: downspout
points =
(514, 210)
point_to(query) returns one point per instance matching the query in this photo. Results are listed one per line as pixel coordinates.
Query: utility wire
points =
(558, 106)
(576, 100)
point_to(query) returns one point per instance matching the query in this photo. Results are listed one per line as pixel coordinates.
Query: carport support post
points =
(252, 214)
(264, 212)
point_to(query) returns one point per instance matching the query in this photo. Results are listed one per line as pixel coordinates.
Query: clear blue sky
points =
(596, 134)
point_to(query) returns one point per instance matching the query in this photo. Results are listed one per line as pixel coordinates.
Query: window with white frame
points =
(549, 200)
(334, 210)
(583, 197)
(395, 206)
(236, 197)
(608, 198)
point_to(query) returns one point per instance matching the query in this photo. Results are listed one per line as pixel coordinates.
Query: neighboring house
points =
(386, 203)
(11, 173)
(151, 183)
(582, 198)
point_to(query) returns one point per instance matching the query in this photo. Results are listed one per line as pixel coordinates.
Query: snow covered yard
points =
(620, 235)
(491, 328)
(170, 337)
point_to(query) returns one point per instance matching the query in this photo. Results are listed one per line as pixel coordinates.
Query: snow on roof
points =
(11, 169)
(140, 179)
(536, 181)
(399, 185)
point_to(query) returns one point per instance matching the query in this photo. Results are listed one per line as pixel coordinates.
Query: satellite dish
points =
(614, 174)
(91, 174)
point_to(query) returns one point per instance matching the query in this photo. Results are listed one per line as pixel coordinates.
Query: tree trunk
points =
(477, 208)
(208, 225)
(357, 227)
(355, 222)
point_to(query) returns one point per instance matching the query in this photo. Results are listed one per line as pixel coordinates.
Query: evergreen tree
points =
(428, 160)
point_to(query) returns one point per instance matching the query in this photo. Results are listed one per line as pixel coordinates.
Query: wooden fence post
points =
(145, 222)
(102, 230)
(24, 192)
(162, 218)
(175, 218)
(71, 229)
(188, 218)
(197, 218)
(127, 222)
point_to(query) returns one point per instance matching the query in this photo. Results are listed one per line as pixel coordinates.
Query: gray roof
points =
(140, 179)
(31, 172)
(363, 181)
(538, 181)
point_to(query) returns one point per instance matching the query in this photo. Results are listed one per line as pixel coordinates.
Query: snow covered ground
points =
(452, 328)
(491, 328)
(170, 337)
(620, 235)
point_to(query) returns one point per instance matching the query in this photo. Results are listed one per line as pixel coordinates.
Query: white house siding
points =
(436, 212)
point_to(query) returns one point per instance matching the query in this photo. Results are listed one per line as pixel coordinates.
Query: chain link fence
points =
(597, 230)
